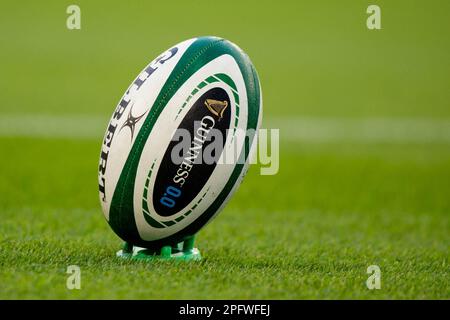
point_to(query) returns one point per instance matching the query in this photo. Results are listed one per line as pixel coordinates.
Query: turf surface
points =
(336, 205)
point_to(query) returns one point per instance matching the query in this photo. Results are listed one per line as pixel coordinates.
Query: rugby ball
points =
(201, 85)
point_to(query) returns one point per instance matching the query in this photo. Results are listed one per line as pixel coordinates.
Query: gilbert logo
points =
(120, 111)
(216, 107)
(132, 121)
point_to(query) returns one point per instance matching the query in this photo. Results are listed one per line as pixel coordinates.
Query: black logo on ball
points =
(132, 121)
(177, 184)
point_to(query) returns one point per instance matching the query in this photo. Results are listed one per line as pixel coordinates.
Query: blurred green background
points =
(364, 119)
(313, 57)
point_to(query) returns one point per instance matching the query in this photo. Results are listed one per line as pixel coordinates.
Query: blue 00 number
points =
(174, 193)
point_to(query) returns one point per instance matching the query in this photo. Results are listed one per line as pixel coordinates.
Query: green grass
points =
(335, 207)
(342, 210)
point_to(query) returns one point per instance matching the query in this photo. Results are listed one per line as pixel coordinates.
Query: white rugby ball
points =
(148, 199)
